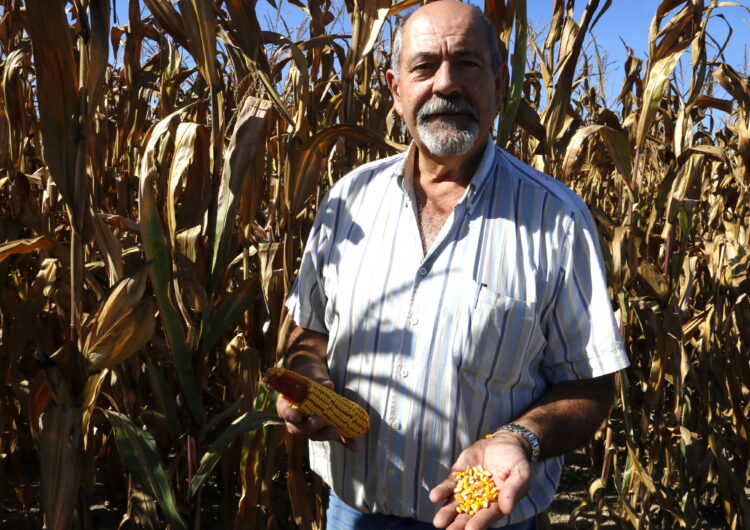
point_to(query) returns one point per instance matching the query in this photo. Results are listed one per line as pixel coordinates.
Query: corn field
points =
(154, 211)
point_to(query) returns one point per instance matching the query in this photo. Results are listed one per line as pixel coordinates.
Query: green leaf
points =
(248, 422)
(229, 311)
(156, 250)
(141, 457)
(247, 134)
(164, 400)
(517, 77)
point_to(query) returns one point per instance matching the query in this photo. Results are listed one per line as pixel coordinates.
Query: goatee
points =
(444, 137)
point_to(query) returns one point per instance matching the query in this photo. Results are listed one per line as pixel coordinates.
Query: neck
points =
(432, 171)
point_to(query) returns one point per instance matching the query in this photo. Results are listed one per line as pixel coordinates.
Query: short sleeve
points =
(583, 338)
(307, 300)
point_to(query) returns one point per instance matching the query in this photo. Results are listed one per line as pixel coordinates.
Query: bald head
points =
(493, 46)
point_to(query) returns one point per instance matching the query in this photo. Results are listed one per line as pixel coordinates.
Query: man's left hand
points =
(504, 455)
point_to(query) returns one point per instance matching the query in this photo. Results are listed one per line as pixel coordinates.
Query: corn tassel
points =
(313, 399)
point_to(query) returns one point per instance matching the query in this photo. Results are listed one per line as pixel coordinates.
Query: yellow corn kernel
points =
(474, 490)
(347, 416)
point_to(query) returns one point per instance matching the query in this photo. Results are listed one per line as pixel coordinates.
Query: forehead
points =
(444, 29)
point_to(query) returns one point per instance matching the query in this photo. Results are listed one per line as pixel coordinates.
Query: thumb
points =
(513, 490)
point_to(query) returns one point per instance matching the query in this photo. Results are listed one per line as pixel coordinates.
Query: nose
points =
(445, 81)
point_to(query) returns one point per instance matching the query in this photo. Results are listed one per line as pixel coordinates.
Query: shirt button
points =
(414, 321)
(391, 472)
(422, 271)
(395, 425)
(404, 373)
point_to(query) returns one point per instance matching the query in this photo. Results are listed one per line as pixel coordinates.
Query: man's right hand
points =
(311, 427)
(306, 355)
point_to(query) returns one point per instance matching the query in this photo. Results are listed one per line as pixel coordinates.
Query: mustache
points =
(441, 105)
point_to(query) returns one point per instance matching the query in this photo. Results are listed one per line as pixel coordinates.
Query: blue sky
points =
(628, 20)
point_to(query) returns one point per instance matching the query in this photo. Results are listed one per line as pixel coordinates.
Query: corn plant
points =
(154, 210)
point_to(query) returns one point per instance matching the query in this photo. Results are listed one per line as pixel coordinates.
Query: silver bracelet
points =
(528, 435)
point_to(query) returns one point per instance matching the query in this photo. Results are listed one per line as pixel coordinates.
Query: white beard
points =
(441, 137)
(445, 139)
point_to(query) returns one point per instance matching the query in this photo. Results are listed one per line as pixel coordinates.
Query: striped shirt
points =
(444, 347)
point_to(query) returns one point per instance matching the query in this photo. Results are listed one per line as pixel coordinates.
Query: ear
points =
(390, 78)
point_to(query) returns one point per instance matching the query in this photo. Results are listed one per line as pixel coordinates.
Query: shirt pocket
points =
(502, 342)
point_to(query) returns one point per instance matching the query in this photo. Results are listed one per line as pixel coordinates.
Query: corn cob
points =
(312, 398)
(474, 489)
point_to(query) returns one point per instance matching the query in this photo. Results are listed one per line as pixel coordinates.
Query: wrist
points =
(528, 439)
(308, 366)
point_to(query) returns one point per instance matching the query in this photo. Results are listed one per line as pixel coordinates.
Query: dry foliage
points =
(153, 215)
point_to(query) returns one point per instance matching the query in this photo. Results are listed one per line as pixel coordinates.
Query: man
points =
(451, 291)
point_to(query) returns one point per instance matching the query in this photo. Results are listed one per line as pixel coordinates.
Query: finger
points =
(460, 522)
(286, 412)
(350, 443)
(320, 432)
(445, 515)
(302, 428)
(311, 426)
(443, 490)
(484, 518)
(292, 416)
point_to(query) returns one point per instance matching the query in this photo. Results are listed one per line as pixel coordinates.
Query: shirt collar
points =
(476, 184)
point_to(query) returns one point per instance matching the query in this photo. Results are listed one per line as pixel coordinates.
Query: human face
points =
(447, 92)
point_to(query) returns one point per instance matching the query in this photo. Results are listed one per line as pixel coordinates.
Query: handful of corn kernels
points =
(474, 489)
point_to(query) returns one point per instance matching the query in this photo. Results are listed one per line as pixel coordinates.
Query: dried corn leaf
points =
(189, 184)
(59, 452)
(199, 20)
(244, 27)
(109, 248)
(24, 246)
(314, 150)
(571, 43)
(97, 49)
(367, 19)
(665, 53)
(655, 280)
(617, 147)
(120, 326)
(89, 397)
(57, 90)
(13, 100)
(658, 77)
(169, 19)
